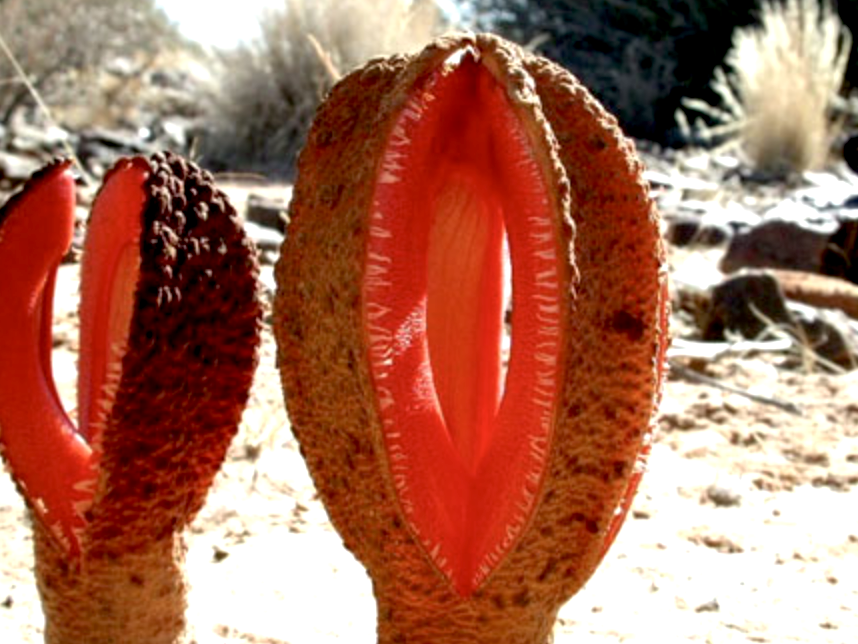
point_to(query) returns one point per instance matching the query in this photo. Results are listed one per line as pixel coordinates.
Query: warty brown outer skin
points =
(616, 336)
(186, 375)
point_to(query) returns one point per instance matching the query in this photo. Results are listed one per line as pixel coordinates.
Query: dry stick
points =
(809, 356)
(23, 78)
(796, 335)
(325, 58)
(691, 374)
(771, 325)
(239, 176)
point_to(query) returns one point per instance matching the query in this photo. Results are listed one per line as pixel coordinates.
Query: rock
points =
(711, 606)
(745, 304)
(723, 496)
(826, 191)
(265, 238)
(682, 230)
(780, 243)
(749, 303)
(801, 213)
(840, 257)
(15, 169)
(688, 230)
(36, 140)
(850, 153)
(689, 188)
(267, 211)
(173, 133)
(122, 67)
(99, 148)
(127, 142)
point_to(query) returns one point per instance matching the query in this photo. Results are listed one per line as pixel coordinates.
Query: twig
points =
(682, 348)
(691, 374)
(325, 58)
(22, 75)
(237, 176)
(809, 356)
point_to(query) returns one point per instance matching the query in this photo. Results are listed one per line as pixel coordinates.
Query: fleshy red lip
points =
(466, 450)
(50, 461)
(54, 462)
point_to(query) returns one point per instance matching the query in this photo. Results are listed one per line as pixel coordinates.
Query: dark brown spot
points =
(597, 144)
(522, 598)
(575, 517)
(627, 324)
(574, 411)
(550, 567)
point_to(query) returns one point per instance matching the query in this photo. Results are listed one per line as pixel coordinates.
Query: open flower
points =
(479, 492)
(169, 328)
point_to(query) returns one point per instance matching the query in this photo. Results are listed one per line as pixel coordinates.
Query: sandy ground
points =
(745, 528)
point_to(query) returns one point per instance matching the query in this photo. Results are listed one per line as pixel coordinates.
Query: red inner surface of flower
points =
(109, 273)
(54, 462)
(466, 451)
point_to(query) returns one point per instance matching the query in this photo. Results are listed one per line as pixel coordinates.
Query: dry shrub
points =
(777, 90)
(56, 40)
(268, 90)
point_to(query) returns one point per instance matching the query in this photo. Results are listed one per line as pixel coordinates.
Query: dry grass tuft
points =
(268, 90)
(778, 88)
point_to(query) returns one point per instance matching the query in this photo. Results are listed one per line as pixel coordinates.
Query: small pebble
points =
(723, 497)
(711, 606)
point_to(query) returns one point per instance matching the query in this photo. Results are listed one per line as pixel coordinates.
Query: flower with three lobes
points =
(169, 329)
(480, 494)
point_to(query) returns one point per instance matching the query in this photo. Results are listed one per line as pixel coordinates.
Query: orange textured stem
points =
(117, 597)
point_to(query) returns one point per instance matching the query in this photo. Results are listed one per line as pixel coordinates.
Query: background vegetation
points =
(777, 88)
(56, 41)
(268, 90)
(645, 59)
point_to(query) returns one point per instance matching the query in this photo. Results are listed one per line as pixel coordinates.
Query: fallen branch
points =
(325, 58)
(682, 348)
(696, 376)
